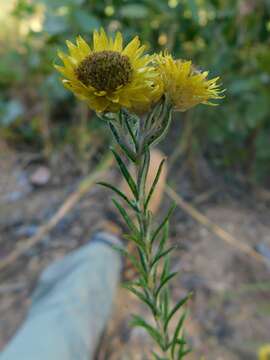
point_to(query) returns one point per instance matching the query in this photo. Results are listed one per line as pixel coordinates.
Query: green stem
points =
(145, 236)
(153, 253)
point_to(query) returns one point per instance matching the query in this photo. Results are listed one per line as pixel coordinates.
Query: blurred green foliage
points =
(230, 38)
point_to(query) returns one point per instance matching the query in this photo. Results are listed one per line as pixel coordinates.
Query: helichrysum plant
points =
(136, 94)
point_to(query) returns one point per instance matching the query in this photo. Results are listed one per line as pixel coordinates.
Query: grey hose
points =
(70, 306)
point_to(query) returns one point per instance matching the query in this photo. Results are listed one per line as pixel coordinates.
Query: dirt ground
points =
(229, 314)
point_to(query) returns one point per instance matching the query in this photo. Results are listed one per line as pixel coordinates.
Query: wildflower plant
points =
(136, 95)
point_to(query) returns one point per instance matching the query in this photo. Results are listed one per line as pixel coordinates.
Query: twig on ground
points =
(205, 196)
(68, 204)
(216, 229)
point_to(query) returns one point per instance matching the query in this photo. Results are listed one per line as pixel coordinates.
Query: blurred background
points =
(219, 158)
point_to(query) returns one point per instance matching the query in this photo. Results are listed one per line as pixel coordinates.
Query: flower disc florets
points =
(110, 76)
(105, 70)
(184, 85)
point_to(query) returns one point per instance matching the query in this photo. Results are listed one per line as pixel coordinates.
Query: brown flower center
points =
(105, 70)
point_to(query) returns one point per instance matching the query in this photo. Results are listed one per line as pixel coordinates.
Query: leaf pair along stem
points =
(134, 137)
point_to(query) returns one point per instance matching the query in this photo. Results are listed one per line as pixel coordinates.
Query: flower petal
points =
(118, 42)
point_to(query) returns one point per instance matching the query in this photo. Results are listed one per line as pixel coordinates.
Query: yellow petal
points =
(72, 48)
(118, 42)
(138, 94)
(100, 40)
(68, 73)
(83, 46)
(131, 48)
(99, 104)
(68, 61)
(103, 37)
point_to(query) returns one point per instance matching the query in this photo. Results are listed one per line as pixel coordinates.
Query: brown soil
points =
(229, 311)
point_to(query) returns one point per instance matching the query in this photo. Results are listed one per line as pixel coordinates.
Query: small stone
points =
(40, 176)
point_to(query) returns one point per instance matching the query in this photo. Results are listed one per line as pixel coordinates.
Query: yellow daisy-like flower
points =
(184, 86)
(264, 352)
(109, 76)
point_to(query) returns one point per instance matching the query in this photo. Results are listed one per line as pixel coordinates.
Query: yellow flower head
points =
(264, 352)
(184, 86)
(109, 76)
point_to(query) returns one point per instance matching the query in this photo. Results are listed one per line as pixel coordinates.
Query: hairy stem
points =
(145, 236)
(135, 137)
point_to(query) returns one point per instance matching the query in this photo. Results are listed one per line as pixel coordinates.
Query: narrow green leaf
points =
(165, 220)
(138, 321)
(152, 189)
(175, 309)
(181, 341)
(142, 283)
(164, 236)
(114, 132)
(156, 356)
(126, 174)
(143, 262)
(160, 255)
(142, 175)
(136, 239)
(129, 153)
(157, 122)
(120, 193)
(166, 121)
(126, 217)
(131, 133)
(141, 296)
(155, 273)
(132, 259)
(153, 115)
(165, 303)
(164, 282)
(176, 333)
(166, 268)
(182, 352)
